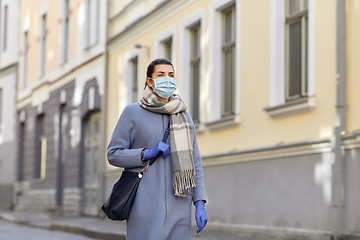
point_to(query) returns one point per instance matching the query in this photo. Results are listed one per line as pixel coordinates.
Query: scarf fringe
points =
(183, 183)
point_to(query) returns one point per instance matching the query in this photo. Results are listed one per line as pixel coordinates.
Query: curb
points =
(87, 232)
(12, 219)
(81, 230)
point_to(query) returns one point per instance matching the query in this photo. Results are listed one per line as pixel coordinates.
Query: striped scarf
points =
(181, 140)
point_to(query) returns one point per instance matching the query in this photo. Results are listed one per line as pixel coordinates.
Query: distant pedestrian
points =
(162, 207)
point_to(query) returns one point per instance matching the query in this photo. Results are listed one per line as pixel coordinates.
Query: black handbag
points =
(118, 205)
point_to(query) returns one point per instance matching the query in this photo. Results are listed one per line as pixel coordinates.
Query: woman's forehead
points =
(163, 68)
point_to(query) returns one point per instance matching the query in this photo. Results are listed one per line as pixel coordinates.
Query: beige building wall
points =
(353, 60)
(272, 161)
(256, 127)
(70, 91)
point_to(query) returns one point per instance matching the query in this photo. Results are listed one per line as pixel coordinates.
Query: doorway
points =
(91, 164)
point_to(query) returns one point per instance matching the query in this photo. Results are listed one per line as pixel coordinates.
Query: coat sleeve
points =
(199, 190)
(119, 151)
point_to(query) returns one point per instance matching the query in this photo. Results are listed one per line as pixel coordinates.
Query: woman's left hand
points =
(200, 215)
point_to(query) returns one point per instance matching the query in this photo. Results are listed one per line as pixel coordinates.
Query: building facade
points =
(60, 95)
(272, 87)
(9, 25)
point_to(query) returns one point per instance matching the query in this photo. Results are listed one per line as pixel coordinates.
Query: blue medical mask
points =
(164, 86)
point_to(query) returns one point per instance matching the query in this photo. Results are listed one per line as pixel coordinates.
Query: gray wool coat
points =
(157, 213)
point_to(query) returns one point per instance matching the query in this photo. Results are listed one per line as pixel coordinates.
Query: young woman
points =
(162, 207)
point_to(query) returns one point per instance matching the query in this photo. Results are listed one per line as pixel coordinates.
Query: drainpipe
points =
(103, 146)
(338, 186)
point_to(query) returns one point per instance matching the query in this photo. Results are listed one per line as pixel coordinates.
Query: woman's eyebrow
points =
(164, 72)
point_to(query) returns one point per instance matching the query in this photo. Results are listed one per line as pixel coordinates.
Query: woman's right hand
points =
(153, 152)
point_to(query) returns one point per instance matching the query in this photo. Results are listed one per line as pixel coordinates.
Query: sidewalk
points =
(103, 228)
(98, 228)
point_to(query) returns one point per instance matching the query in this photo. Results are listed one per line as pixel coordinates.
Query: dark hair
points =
(151, 67)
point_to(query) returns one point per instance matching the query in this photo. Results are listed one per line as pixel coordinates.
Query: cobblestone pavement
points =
(12, 231)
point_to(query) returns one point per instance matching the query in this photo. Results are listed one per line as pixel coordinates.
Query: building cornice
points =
(283, 150)
(142, 25)
(139, 21)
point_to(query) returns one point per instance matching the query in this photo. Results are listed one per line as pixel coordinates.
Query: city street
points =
(12, 231)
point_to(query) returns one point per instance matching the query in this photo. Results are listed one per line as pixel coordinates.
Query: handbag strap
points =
(152, 160)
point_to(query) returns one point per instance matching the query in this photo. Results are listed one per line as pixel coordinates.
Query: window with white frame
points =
(195, 62)
(43, 46)
(5, 27)
(296, 49)
(167, 45)
(25, 60)
(292, 28)
(66, 30)
(228, 61)
(134, 78)
(224, 65)
(91, 23)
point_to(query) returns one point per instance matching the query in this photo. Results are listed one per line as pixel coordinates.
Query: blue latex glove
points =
(200, 215)
(153, 152)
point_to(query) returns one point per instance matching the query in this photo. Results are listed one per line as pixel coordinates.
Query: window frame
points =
(167, 45)
(126, 90)
(278, 106)
(163, 37)
(87, 24)
(43, 45)
(6, 16)
(91, 26)
(195, 60)
(184, 86)
(302, 16)
(134, 63)
(66, 30)
(215, 119)
(226, 47)
(25, 59)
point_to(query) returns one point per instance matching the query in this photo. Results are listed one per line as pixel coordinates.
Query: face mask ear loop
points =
(152, 88)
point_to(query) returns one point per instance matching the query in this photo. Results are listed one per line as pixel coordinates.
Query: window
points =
(228, 62)
(66, 30)
(25, 60)
(91, 22)
(195, 73)
(5, 26)
(168, 48)
(40, 151)
(296, 49)
(224, 65)
(87, 23)
(134, 73)
(165, 44)
(43, 46)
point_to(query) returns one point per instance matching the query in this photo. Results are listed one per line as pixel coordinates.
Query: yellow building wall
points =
(52, 41)
(31, 9)
(353, 63)
(257, 128)
(30, 13)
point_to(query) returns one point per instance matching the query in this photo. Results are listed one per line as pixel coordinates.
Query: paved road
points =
(11, 231)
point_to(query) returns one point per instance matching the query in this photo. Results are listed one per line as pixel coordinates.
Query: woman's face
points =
(160, 71)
